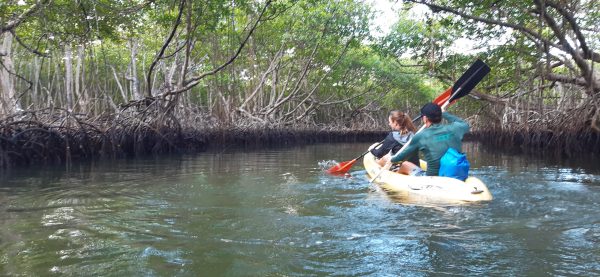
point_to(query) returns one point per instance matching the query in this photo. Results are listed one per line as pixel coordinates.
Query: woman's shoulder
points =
(403, 138)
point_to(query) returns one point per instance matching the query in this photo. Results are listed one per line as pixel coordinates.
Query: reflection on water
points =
(273, 212)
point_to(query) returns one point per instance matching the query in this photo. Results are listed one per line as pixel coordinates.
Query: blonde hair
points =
(403, 120)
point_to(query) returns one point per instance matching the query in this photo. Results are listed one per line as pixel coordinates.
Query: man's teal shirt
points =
(434, 141)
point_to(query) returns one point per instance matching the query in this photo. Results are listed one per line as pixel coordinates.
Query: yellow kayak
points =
(426, 188)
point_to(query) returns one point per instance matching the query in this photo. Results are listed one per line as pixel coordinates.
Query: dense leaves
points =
(283, 62)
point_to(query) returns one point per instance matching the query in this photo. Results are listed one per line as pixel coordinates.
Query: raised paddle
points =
(465, 83)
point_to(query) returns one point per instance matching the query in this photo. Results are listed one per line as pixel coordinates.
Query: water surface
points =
(275, 213)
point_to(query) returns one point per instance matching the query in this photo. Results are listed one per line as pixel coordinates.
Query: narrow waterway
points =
(275, 213)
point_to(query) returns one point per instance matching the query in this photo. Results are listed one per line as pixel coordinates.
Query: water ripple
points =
(244, 213)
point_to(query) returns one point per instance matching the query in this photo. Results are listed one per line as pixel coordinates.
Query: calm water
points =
(274, 213)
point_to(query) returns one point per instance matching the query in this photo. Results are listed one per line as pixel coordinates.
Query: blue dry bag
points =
(454, 164)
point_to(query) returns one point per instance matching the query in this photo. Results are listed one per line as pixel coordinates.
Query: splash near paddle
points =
(342, 168)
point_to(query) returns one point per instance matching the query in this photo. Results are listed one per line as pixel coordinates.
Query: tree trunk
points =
(36, 79)
(9, 103)
(69, 76)
(134, 83)
(80, 90)
(123, 93)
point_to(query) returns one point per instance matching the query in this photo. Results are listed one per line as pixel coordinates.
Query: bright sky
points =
(388, 15)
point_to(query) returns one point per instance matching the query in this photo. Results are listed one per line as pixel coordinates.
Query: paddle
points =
(465, 83)
(343, 167)
(462, 87)
(468, 81)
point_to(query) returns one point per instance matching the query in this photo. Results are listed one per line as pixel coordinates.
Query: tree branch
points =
(574, 26)
(27, 47)
(12, 24)
(582, 64)
(484, 20)
(196, 80)
(163, 48)
(566, 79)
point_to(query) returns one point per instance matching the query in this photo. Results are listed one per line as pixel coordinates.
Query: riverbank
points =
(566, 144)
(61, 137)
(55, 136)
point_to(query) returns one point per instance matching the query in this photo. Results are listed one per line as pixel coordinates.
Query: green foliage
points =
(330, 40)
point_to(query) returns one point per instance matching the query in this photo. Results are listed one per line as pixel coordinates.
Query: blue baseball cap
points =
(431, 111)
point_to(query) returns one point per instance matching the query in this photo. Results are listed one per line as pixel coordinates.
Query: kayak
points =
(425, 188)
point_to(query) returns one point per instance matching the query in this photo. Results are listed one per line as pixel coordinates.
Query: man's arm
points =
(407, 151)
(458, 123)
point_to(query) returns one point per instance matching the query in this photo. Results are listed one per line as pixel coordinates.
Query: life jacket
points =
(454, 164)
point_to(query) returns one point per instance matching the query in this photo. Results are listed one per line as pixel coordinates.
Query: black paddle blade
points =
(469, 79)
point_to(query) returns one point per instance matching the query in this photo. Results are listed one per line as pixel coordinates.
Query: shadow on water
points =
(274, 212)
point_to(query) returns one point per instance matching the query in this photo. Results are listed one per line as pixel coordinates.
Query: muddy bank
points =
(549, 142)
(35, 138)
(55, 136)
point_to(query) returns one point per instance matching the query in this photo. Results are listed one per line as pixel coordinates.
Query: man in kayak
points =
(402, 131)
(433, 141)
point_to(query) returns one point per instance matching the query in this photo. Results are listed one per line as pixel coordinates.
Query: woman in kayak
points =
(402, 131)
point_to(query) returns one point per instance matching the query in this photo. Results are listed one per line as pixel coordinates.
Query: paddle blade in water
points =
(342, 167)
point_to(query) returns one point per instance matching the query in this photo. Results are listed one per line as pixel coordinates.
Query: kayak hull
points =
(426, 188)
